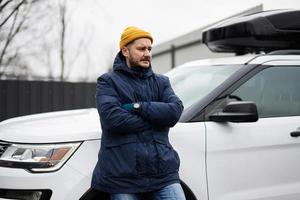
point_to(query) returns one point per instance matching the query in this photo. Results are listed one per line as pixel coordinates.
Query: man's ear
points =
(125, 52)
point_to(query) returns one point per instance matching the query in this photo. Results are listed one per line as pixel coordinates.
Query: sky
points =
(101, 23)
(166, 19)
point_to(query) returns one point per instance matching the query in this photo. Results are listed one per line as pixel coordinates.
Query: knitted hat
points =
(132, 33)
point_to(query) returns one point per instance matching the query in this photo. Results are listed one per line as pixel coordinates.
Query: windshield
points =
(191, 84)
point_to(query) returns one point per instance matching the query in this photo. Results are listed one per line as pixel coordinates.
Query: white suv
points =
(238, 137)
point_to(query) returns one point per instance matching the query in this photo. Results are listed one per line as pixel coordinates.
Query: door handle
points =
(295, 133)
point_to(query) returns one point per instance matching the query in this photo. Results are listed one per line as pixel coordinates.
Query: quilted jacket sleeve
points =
(166, 112)
(115, 118)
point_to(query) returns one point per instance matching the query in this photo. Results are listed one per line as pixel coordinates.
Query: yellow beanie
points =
(132, 33)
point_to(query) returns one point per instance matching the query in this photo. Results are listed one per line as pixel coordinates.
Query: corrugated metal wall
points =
(19, 98)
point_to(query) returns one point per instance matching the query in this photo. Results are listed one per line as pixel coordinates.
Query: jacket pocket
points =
(119, 160)
(147, 159)
(168, 158)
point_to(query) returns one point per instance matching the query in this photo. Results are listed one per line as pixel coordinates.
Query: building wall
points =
(162, 63)
(195, 52)
(188, 47)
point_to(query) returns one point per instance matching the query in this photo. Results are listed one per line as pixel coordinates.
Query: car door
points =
(259, 160)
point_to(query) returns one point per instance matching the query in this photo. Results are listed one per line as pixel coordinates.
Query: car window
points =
(193, 83)
(275, 91)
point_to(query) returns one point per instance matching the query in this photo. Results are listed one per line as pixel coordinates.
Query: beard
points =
(143, 63)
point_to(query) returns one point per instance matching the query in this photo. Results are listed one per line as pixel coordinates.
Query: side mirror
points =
(237, 111)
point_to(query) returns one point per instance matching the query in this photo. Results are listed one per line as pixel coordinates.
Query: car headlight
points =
(36, 157)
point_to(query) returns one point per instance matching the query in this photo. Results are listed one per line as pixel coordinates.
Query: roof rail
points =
(285, 52)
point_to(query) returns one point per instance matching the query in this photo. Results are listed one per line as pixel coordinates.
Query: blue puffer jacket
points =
(135, 154)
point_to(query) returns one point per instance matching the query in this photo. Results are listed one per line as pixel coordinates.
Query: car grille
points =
(3, 147)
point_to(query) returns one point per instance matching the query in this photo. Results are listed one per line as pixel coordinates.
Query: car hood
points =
(61, 126)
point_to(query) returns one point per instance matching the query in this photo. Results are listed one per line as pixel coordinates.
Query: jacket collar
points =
(121, 66)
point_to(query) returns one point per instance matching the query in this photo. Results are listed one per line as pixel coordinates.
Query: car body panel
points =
(258, 160)
(53, 127)
(254, 160)
(189, 140)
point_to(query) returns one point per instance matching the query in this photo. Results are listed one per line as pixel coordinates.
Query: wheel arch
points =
(92, 194)
(189, 195)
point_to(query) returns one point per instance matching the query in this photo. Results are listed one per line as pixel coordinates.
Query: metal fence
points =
(19, 98)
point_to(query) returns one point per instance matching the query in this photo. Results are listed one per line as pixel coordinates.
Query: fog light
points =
(25, 194)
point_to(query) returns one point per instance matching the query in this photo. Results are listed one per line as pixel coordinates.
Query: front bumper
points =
(68, 183)
(57, 185)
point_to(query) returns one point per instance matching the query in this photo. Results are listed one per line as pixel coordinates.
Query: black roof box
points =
(264, 31)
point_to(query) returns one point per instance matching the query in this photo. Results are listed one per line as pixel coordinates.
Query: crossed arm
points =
(121, 118)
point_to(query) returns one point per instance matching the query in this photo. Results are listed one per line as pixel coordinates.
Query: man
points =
(136, 109)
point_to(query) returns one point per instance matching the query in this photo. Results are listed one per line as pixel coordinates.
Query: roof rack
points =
(285, 52)
(259, 32)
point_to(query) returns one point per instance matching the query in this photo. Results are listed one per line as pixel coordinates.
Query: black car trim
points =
(263, 31)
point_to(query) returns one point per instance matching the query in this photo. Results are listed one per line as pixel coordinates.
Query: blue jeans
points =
(170, 192)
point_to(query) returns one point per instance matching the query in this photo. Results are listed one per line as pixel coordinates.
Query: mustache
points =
(146, 59)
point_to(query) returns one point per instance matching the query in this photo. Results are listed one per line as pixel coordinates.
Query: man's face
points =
(138, 53)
